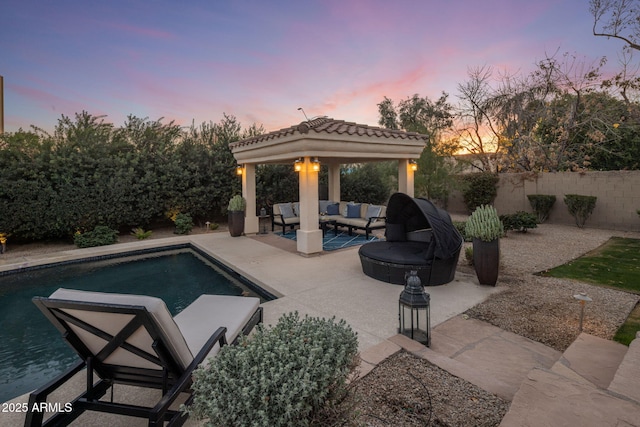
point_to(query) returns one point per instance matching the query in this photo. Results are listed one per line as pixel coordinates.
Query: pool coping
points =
(264, 294)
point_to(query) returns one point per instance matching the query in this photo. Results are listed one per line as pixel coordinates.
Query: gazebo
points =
(322, 141)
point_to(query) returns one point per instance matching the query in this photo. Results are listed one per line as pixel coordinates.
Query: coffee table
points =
(324, 226)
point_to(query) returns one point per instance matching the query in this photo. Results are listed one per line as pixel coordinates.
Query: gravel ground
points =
(405, 390)
(543, 308)
(539, 308)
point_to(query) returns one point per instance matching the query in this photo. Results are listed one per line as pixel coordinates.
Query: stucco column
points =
(251, 225)
(334, 182)
(405, 177)
(309, 236)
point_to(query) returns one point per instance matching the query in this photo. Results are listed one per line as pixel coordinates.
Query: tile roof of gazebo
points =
(332, 141)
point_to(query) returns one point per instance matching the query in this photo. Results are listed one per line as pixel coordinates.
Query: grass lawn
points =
(615, 264)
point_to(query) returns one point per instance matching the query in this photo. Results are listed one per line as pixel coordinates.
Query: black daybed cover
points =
(417, 214)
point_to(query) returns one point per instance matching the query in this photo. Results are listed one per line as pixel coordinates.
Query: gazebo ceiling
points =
(331, 141)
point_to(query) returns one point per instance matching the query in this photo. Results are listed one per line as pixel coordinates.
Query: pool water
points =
(32, 351)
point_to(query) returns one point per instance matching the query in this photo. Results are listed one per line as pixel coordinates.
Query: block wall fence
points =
(618, 194)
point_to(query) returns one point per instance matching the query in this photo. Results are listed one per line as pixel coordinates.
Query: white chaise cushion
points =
(207, 313)
(112, 323)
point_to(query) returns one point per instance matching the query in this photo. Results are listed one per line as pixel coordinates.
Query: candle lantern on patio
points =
(414, 310)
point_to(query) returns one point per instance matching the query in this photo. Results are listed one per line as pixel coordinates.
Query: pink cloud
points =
(49, 101)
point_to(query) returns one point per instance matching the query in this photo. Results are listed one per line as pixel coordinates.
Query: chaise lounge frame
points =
(173, 378)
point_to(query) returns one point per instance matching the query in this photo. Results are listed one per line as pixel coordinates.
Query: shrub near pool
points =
(283, 376)
(99, 236)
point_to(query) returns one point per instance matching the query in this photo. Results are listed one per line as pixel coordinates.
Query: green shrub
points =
(140, 233)
(184, 223)
(99, 236)
(468, 254)
(460, 226)
(479, 189)
(275, 184)
(237, 204)
(484, 224)
(365, 183)
(283, 376)
(580, 207)
(88, 172)
(541, 204)
(519, 221)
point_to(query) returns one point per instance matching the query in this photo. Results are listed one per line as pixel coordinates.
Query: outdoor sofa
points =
(419, 236)
(134, 340)
(349, 215)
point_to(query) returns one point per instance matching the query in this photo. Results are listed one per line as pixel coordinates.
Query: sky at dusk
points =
(261, 60)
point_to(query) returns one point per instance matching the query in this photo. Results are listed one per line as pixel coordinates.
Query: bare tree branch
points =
(615, 17)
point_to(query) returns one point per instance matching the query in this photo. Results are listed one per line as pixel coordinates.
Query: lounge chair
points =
(285, 215)
(134, 340)
(420, 237)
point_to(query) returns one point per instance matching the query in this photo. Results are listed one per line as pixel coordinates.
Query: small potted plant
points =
(236, 208)
(485, 228)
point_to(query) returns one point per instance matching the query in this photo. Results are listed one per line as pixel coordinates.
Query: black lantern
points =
(413, 310)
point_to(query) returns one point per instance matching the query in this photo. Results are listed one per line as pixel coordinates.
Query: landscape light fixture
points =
(413, 165)
(584, 299)
(239, 169)
(297, 165)
(414, 310)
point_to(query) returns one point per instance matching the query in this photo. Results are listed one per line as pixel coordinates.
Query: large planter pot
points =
(236, 223)
(486, 261)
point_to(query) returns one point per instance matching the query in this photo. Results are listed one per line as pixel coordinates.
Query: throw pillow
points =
(353, 211)
(373, 211)
(296, 208)
(344, 208)
(323, 205)
(286, 209)
(333, 209)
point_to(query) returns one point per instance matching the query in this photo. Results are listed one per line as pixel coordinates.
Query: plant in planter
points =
(485, 228)
(236, 208)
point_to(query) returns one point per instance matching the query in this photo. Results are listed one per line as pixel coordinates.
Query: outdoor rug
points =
(331, 242)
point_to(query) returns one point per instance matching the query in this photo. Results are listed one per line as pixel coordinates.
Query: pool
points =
(32, 351)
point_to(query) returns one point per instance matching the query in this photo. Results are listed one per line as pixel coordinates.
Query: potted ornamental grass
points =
(485, 229)
(236, 208)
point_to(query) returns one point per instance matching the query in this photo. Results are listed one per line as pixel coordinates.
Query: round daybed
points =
(419, 236)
